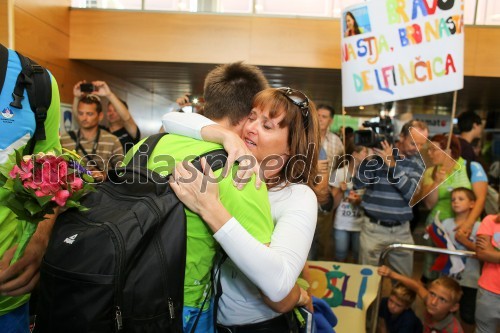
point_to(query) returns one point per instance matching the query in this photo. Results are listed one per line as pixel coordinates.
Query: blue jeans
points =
(205, 323)
(16, 321)
(344, 238)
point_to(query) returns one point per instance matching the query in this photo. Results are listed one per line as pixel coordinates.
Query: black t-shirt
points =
(406, 322)
(125, 138)
(467, 152)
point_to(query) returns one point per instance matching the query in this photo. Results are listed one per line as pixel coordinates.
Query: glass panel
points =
(338, 5)
(294, 7)
(173, 5)
(160, 4)
(469, 11)
(235, 6)
(488, 12)
(108, 4)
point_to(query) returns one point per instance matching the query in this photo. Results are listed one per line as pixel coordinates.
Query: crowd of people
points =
(272, 217)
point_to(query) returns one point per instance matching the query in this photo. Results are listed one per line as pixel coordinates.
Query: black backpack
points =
(36, 80)
(120, 265)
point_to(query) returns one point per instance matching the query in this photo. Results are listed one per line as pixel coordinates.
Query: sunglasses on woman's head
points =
(299, 99)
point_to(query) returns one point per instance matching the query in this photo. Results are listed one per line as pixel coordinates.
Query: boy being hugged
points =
(441, 301)
(395, 313)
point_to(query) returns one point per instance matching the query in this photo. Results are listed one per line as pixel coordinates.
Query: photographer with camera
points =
(120, 121)
(390, 180)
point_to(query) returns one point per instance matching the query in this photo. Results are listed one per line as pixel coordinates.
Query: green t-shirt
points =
(249, 206)
(457, 179)
(8, 221)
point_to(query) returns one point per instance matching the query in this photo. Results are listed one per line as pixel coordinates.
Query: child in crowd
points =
(488, 297)
(462, 203)
(395, 314)
(349, 215)
(441, 301)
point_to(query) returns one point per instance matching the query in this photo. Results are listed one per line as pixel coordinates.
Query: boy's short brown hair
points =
(403, 293)
(451, 285)
(468, 192)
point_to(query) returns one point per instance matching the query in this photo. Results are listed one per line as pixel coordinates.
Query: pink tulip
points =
(76, 183)
(24, 172)
(61, 197)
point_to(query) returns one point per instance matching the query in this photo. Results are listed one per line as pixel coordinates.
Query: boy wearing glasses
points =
(441, 301)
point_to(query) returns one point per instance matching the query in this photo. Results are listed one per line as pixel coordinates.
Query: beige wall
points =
(205, 38)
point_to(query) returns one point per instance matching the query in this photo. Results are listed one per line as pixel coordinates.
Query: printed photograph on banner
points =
(393, 50)
(357, 22)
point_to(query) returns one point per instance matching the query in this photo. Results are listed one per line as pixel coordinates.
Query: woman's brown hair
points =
(442, 139)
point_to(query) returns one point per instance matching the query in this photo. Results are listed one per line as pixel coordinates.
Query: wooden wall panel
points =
(470, 51)
(295, 42)
(158, 36)
(487, 51)
(4, 22)
(53, 12)
(203, 38)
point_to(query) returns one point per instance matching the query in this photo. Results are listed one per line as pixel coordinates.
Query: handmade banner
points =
(349, 289)
(399, 49)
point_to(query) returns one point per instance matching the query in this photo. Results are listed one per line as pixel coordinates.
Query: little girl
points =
(488, 298)
(348, 217)
(463, 201)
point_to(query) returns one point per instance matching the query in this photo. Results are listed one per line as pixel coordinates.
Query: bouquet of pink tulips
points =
(39, 183)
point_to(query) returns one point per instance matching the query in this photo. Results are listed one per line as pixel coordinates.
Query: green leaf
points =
(42, 201)
(3, 180)
(6, 167)
(33, 207)
(72, 203)
(19, 156)
(13, 201)
(9, 185)
(87, 178)
(18, 186)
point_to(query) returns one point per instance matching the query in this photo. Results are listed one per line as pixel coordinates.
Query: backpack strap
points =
(145, 149)
(36, 80)
(4, 61)
(215, 158)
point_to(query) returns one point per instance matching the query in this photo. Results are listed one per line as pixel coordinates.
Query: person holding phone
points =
(120, 121)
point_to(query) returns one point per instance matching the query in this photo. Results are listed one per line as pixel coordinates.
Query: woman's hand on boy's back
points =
(237, 151)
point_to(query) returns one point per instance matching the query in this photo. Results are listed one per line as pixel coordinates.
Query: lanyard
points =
(94, 147)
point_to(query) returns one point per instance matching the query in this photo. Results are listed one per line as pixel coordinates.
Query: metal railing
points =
(413, 248)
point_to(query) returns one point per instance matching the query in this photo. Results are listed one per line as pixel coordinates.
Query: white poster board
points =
(401, 49)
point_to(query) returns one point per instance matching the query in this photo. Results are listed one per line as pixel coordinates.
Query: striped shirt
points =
(388, 191)
(108, 152)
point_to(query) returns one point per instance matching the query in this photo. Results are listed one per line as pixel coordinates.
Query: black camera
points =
(378, 132)
(87, 87)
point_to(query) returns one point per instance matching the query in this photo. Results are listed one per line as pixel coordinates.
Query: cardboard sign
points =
(399, 49)
(348, 288)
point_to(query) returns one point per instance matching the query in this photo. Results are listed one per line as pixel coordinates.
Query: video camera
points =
(378, 132)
